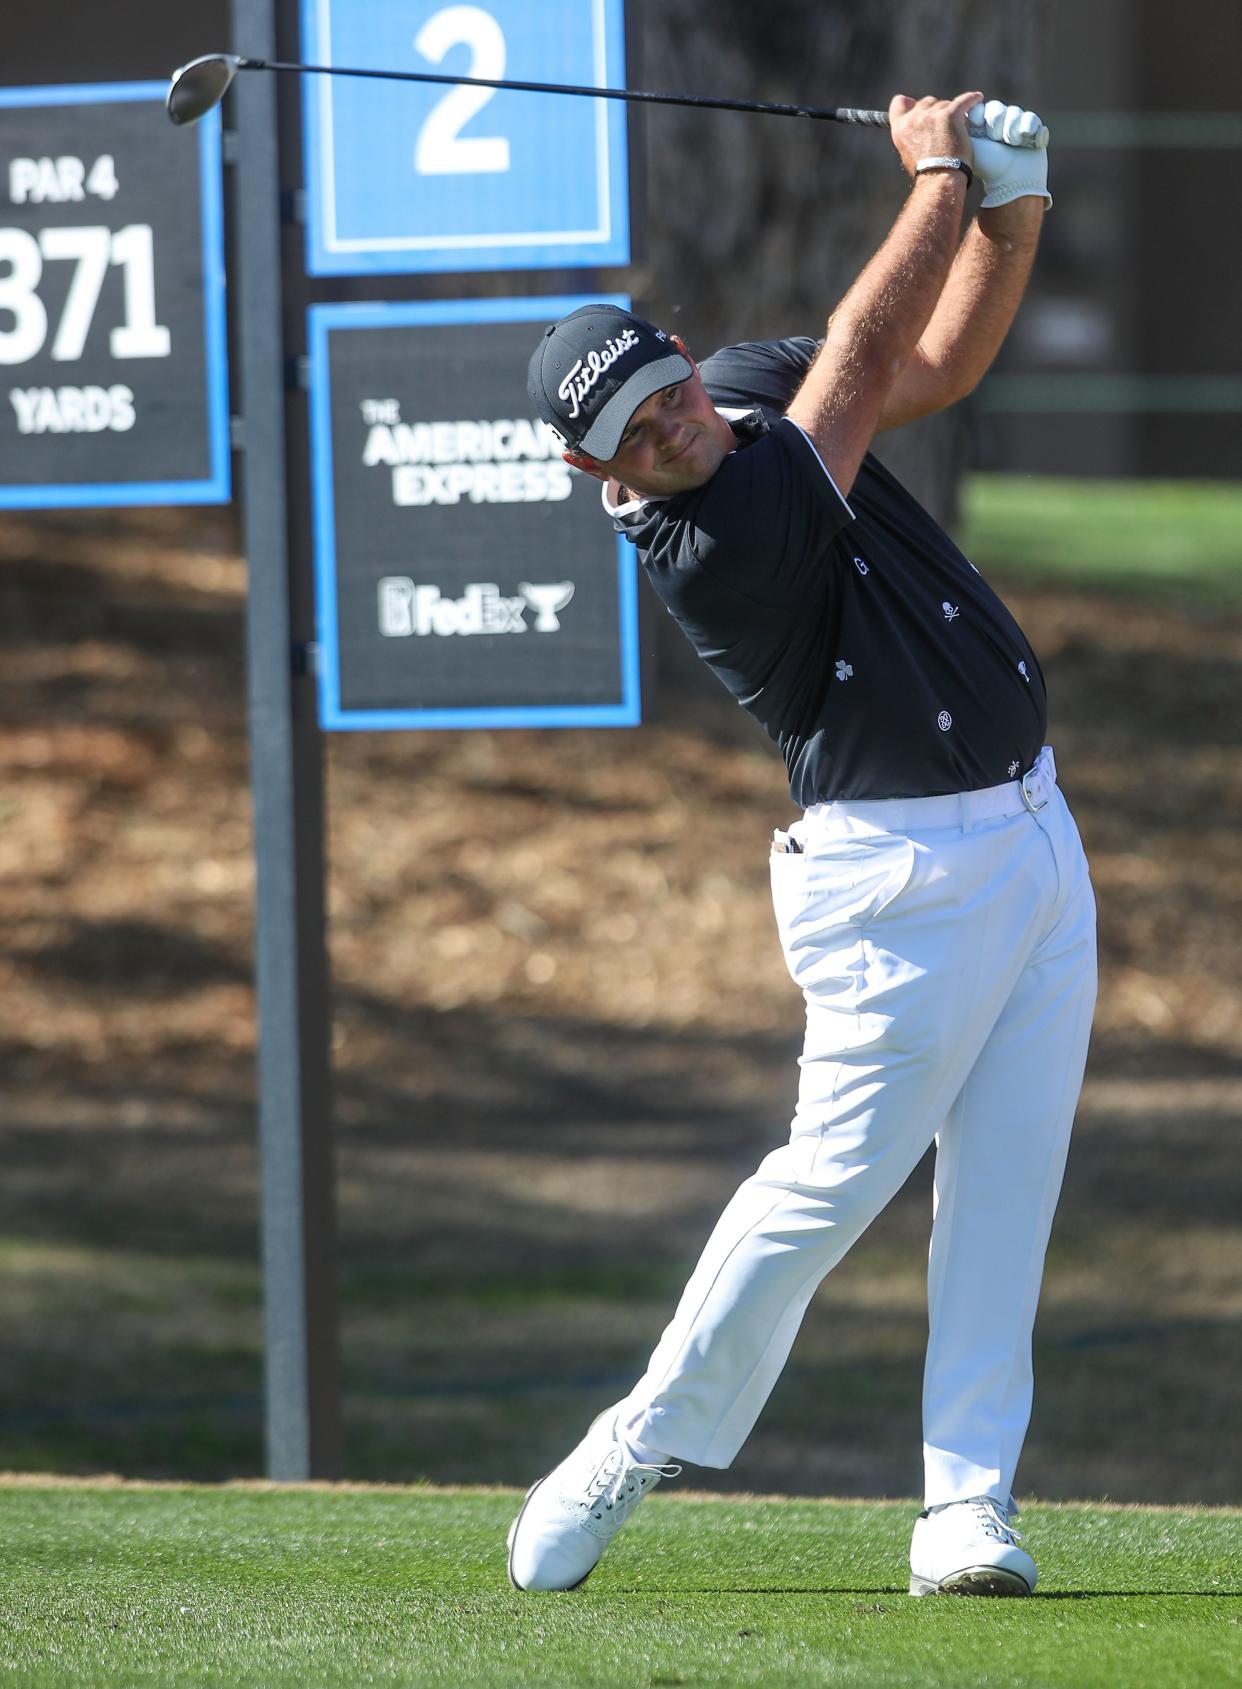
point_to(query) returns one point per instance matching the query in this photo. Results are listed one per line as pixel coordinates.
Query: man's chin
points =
(683, 474)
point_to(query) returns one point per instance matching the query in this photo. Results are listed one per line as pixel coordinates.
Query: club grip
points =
(854, 114)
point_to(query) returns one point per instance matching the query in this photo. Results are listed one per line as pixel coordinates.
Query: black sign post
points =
(303, 1389)
(112, 315)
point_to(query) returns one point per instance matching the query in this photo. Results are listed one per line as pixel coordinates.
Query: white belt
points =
(958, 809)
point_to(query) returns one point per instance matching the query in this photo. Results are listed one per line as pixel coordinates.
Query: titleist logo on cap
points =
(587, 371)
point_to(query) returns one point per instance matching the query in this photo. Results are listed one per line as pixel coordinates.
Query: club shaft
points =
(827, 114)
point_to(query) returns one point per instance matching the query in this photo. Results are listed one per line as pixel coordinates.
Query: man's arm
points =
(873, 332)
(973, 314)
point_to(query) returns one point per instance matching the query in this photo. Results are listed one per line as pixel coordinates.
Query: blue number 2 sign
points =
(423, 177)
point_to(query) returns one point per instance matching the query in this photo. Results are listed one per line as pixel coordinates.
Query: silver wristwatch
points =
(944, 162)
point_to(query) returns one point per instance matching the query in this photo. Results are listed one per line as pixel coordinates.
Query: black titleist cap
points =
(593, 369)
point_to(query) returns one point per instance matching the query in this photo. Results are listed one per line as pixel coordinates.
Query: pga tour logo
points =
(407, 609)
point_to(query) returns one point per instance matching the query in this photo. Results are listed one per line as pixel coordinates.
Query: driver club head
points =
(200, 85)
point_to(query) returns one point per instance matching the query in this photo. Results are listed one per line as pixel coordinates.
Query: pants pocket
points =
(828, 898)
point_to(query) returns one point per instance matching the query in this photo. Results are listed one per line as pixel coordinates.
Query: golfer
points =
(933, 900)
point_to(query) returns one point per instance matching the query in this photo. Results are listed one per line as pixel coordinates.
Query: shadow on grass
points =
(898, 1590)
(759, 1589)
(1135, 1594)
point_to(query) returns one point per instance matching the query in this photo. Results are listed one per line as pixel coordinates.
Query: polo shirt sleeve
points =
(765, 522)
(760, 372)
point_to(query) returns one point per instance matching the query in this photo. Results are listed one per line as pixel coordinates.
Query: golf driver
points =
(203, 83)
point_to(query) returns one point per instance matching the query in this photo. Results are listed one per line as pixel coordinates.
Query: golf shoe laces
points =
(994, 1519)
(620, 1484)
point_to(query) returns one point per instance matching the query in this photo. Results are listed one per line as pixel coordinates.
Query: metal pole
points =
(302, 1362)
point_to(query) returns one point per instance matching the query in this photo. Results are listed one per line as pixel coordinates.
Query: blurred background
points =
(562, 1029)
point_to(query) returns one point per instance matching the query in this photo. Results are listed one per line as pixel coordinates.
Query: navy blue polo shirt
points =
(854, 630)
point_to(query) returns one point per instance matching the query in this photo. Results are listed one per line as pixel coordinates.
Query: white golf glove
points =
(1011, 152)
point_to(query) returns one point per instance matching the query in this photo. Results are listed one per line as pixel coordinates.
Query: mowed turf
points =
(153, 1586)
(1172, 540)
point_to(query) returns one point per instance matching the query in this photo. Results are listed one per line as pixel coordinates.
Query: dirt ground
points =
(562, 1032)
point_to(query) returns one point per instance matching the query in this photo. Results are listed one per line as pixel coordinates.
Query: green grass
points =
(1169, 539)
(144, 1587)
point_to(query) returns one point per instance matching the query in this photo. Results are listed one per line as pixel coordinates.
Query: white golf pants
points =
(946, 951)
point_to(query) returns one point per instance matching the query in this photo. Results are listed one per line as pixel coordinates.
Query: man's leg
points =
(999, 1164)
(730, 1336)
(999, 1161)
(856, 1138)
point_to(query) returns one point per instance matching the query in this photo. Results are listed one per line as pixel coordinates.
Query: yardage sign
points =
(465, 577)
(112, 325)
(404, 177)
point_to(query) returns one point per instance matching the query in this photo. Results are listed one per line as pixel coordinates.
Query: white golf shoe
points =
(969, 1548)
(569, 1518)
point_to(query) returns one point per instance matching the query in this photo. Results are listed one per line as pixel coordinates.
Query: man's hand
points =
(1011, 153)
(930, 128)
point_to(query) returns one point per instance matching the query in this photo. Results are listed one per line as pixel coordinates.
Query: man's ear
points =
(683, 349)
(588, 465)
